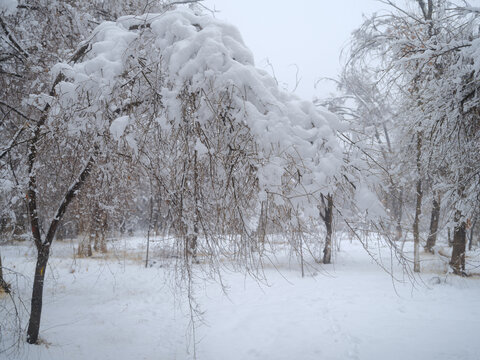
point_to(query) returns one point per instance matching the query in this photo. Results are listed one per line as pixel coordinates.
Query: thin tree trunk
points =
(416, 231)
(328, 219)
(3, 284)
(302, 263)
(472, 233)
(432, 236)
(399, 215)
(148, 232)
(94, 233)
(2, 281)
(103, 231)
(418, 208)
(457, 261)
(192, 239)
(43, 248)
(262, 225)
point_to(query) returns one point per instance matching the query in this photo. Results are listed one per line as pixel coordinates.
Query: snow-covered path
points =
(116, 309)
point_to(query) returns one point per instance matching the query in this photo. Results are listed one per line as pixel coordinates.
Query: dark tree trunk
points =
(3, 284)
(328, 220)
(416, 231)
(418, 208)
(43, 248)
(457, 261)
(432, 236)
(37, 295)
(1, 270)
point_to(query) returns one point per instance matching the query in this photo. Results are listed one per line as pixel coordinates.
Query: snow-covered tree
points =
(177, 93)
(413, 56)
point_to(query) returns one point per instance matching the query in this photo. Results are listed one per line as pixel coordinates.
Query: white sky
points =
(308, 33)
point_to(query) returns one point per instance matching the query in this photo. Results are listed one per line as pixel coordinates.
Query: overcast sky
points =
(308, 33)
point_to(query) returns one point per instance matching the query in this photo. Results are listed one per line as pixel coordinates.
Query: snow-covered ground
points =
(115, 308)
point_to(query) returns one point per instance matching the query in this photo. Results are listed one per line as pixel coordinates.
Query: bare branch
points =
(12, 39)
(67, 199)
(12, 142)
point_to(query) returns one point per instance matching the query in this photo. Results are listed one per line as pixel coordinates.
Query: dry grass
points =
(114, 255)
(3, 294)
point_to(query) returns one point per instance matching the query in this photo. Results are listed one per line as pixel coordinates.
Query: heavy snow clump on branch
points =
(180, 68)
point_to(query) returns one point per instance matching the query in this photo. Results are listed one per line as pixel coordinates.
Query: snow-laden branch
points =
(184, 64)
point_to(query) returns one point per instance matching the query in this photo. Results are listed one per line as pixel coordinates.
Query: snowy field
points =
(114, 308)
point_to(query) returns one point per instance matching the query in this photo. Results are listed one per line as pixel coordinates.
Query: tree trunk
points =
(457, 261)
(432, 236)
(37, 295)
(262, 225)
(328, 219)
(43, 248)
(192, 239)
(472, 233)
(418, 209)
(85, 247)
(96, 241)
(3, 284)
(1, 272)
(399, 215)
